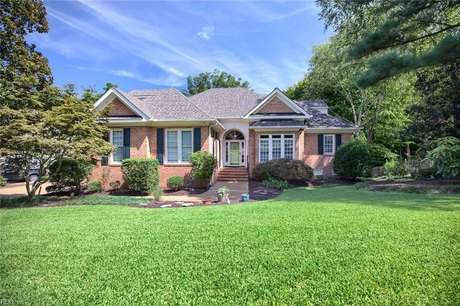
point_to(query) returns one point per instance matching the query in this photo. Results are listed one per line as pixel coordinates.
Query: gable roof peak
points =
(282, 96)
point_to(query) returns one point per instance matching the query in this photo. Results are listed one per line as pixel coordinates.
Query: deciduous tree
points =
(39, 122)
(215, 79)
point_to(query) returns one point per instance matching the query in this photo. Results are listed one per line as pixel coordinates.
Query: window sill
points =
(114, 164)
(176, 164)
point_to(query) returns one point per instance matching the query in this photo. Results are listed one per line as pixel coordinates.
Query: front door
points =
(234, 153)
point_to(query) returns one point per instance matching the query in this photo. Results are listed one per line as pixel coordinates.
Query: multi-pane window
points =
(179, 146)
(289, 146)
(187, 147)
(328, 144)
(275, 147)
(264, 148)
(117, 141)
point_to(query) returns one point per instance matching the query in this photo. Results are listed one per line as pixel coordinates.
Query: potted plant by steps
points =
(223, 194)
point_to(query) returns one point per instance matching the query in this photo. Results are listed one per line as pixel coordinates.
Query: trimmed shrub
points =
(203, 165)
(396, 167)
(291, 170)
(94, 186)
(114, 184)
(2, 181)
(69, 172)
(141, 174)
(352, 160)
(445, 157)
(175, 182)
(275, 183)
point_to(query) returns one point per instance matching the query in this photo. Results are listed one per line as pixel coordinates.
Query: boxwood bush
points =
(352, 160)
(141, 174)
(203, 165)
(291, 170)
(69, 173)
(94, 186)
(175, 182)
(2, 181)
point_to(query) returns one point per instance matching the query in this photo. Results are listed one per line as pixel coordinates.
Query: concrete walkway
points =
(236, 190)
(15, 190)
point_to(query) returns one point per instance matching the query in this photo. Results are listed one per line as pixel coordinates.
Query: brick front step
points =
(228, 179)
(233, 174)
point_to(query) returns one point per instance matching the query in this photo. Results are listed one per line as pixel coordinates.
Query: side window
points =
(117, 141)
(328, 144)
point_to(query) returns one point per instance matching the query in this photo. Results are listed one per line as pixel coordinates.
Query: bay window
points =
(179, 146)
(276, 147)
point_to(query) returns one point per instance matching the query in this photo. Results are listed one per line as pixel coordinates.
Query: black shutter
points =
(338, 140)
(160, 145)
(320, 144)
(105, 159)
(196, 139)
(126, 142)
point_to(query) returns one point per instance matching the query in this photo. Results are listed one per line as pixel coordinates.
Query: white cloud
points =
(124, 73)
(177, 55)
(206, 32)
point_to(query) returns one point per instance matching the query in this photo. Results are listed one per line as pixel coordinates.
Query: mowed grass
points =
(322, 246)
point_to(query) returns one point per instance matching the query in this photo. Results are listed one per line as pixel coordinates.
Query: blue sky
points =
(157, 44)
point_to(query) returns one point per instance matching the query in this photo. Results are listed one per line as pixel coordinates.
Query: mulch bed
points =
(194, 191)
(417, 183)
(259, 192)
(416, 186)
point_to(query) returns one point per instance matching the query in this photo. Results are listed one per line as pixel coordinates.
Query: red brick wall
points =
(313, 159)
(275, 106)
(117, 108)
(254, 147)
(306, 149)
(144, 144)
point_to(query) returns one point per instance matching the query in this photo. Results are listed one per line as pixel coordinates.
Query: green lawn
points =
(323, 246)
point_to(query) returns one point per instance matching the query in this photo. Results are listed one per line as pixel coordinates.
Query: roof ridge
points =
(191, 102)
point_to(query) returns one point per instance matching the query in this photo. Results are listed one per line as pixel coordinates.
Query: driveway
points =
(12, 190)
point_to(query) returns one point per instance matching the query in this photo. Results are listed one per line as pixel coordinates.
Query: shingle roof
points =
(276, 123)
(227, 102)
(166, 104)
(170, 104)
(321, 120)
(312, 103)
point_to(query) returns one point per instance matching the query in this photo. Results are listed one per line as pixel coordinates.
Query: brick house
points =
(239, 127)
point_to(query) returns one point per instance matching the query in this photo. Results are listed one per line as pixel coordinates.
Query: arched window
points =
(234, 135)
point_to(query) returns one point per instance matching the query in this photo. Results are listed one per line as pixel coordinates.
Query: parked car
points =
(12, 173)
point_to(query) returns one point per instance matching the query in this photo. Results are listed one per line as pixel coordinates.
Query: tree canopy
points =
(400, 35)
(379, 110)
(39, 122)
(215, 79)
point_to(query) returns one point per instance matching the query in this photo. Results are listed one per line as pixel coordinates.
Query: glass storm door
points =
(234, 153)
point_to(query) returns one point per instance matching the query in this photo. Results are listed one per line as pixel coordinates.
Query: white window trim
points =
(111, 161)
(270, 145)
(333, 144)
(179, 147)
